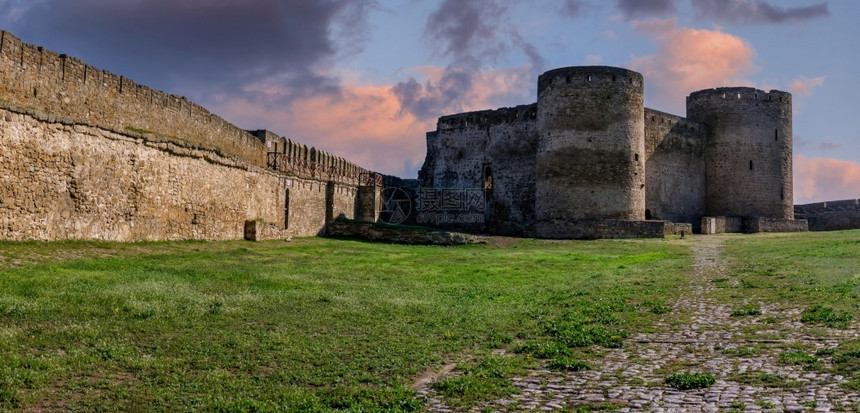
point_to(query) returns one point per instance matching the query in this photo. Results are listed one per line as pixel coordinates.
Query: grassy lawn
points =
(815, 274)
(313, 325)
(800, 269)
(320, 324)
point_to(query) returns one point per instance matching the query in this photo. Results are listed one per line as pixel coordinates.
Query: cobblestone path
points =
(743, 353)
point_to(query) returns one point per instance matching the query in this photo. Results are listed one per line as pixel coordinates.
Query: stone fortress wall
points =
(591, 154)
(749, 149)
(492, 151)
(674, 168)
(89, 154)
(830, 215)
(465, 145)
(599, 159)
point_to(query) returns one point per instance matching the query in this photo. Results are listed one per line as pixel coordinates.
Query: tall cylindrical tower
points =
(748, 154)
(591, 148)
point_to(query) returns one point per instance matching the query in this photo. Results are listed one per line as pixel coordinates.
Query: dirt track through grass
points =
(762, 357)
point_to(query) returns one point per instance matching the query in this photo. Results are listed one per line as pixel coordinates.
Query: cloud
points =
(633, 9)
(800, 143)
(379, 127)
(657, 27)
(825, 179)
(203, 47)
(12, 10)
(364, 124)
(804, 85)
(472, 34)
(274, 64)
(688, 60)
(434, 98)
(463, 89)
(593, 59)
(467, 28)
(258, 63)
(476, 32)
(573, 8)
(756, 11)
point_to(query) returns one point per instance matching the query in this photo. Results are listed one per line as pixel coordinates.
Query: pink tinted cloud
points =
(825, 179)
(452, 90)
(362, 124)
(804, 85)
(688, 60)
(593, 59)
(366, 124)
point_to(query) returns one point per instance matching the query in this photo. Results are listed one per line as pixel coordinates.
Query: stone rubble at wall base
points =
(395, 234)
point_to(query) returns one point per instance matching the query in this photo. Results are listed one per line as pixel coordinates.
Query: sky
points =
(366, 79)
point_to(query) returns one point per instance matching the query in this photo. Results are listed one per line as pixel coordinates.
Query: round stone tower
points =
(748, 154)
(591, 148)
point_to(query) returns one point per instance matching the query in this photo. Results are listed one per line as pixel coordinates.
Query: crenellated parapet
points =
(748, 152)
(294, 158)
(89, 154)
(684, 134)
(486, 118)
(37, 80)
(583, 76)
(591, 154)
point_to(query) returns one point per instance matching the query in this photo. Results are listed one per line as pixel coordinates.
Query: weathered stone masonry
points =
(88, 154)
(830, 215)
(588, 156)
(85, 153)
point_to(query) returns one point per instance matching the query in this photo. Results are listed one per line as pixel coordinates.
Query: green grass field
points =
(321, 324)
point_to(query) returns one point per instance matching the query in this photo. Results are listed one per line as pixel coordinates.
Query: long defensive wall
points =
(87, 154)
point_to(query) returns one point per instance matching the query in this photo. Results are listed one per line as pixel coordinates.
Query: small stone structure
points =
(588, 160)
(719, 225)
